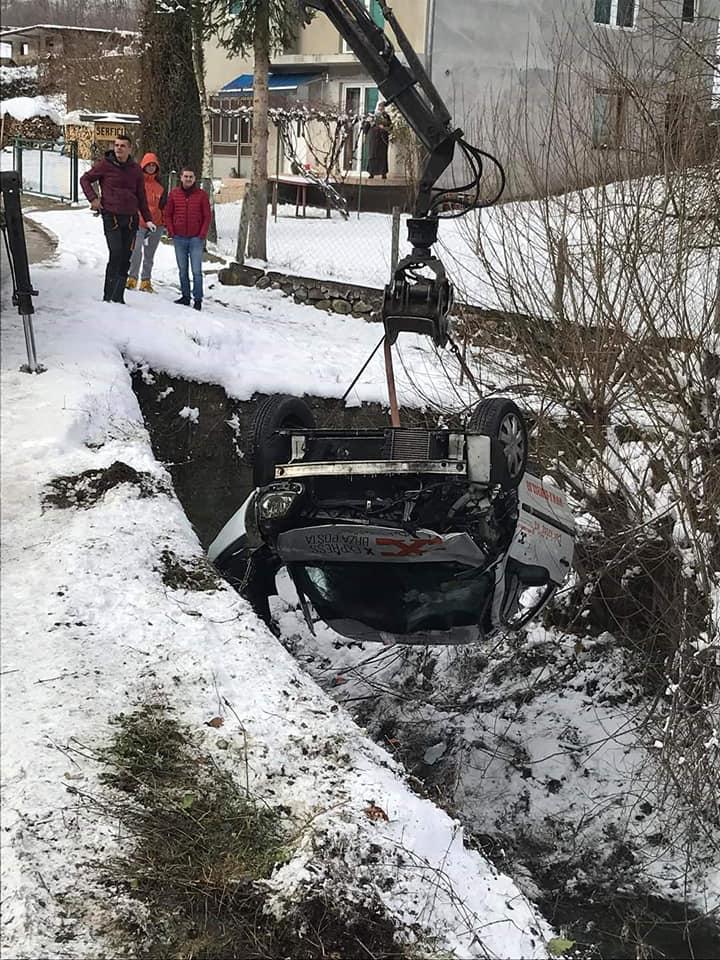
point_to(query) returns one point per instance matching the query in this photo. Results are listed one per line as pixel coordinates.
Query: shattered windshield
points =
(397, 598)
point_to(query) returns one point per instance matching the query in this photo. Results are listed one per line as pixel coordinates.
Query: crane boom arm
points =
(419, 296)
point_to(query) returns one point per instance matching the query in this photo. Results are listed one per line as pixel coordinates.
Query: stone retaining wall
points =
(358, 301)
(343, 298)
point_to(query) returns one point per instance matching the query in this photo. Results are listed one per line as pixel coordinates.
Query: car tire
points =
(502, 420)
(279, 412)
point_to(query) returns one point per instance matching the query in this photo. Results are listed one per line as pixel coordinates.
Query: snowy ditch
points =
(532, 744)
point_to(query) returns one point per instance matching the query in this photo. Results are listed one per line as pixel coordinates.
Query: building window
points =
(609, 108)
(688, 11)
(358, 100)
(375, 11)
(615, 13)
(24, 49)
(231, 131)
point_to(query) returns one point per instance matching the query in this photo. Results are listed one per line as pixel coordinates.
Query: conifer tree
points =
(169, 101)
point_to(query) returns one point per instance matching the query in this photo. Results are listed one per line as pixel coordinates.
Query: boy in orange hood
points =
(146, 241)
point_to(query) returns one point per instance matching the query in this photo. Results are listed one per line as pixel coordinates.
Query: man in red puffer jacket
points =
(187, 218)
(121, 200)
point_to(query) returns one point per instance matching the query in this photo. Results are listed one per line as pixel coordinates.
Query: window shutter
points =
(376, 13)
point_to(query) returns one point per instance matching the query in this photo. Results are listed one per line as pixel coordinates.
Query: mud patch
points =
(190, 573)
(83, 490)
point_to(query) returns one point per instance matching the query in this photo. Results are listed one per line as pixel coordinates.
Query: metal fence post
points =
(361, 140)
(41, 169)
(395, 248)
(19, 160)
(74, 171)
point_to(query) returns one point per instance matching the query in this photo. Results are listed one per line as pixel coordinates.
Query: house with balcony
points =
(318, 70)
(560, 90)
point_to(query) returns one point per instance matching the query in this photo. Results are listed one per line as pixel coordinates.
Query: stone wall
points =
(358, 301)
(343, 298)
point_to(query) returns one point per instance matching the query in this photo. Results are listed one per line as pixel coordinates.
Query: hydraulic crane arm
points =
(419, 295)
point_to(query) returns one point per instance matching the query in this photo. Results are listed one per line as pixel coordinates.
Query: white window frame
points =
(363, 88)
(613, 24)
(24, 48)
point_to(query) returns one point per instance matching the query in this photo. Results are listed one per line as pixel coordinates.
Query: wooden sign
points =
(108, 131)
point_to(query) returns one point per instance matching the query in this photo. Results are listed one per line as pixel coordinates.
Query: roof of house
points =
(9, 31)
(276, 81)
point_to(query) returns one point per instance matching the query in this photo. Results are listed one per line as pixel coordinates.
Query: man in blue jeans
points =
(187, 218)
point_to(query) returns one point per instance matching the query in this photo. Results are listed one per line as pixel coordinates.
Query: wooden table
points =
(301, 184)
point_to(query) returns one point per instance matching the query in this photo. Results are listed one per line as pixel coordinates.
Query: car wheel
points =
(501, 419)
(279, 412)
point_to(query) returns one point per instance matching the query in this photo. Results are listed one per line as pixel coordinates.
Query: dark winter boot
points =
(118, 293)
(185, 301)
(114, 288)
(197, 305)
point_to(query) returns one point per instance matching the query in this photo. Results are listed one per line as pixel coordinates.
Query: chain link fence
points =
(357, 250)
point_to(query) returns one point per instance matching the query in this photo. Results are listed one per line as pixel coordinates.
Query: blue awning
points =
(279, 82)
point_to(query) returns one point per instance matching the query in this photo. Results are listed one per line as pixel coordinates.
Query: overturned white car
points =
(400, 535)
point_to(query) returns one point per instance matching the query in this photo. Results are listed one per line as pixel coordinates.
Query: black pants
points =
(120, 230)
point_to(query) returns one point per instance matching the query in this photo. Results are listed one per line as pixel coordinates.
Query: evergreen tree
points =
(169, 102)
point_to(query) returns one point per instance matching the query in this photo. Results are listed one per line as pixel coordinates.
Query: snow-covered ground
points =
(520, 242)
(89, 629)
(540, 739)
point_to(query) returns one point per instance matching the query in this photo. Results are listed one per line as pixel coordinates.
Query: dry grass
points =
(201, 846)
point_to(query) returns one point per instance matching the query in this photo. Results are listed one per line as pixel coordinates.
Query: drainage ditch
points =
(199, 433)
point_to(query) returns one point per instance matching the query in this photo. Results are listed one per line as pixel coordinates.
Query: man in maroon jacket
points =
(187, 218)
(122, 196)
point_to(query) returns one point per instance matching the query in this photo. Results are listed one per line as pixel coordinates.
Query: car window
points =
(397, 598)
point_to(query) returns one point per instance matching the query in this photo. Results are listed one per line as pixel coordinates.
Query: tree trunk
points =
(198, 62)
(257, 241)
